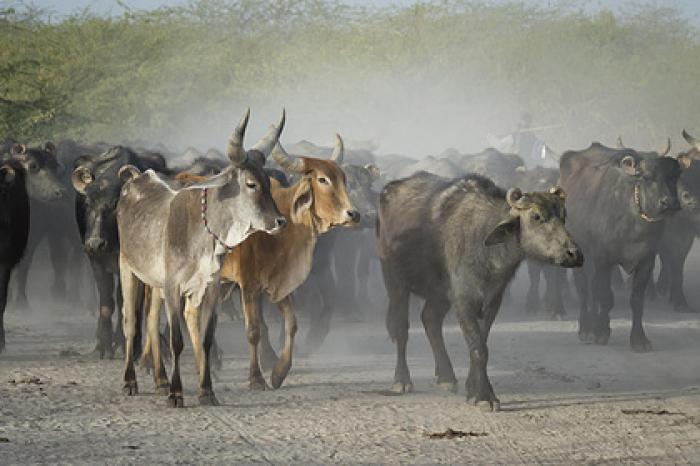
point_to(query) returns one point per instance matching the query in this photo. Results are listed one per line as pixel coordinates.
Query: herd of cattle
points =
(188, 230)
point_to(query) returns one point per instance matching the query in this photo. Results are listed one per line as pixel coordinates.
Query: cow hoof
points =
(131, 388)
(276, 380)
(402, 387)
(163, 389)
(488, 405)
(450, 387)
(208, 399)
(176, 401)
(601, 340)
(258, 385)
(641, 346)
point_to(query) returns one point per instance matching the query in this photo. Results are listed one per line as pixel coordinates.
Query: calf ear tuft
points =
(503, 231)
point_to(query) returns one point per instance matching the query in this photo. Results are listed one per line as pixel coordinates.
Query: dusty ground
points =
(562, 401)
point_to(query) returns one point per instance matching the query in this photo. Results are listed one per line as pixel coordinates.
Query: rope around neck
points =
(206, 224)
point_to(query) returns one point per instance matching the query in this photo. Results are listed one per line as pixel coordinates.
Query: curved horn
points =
(516, 199)
(267, 142)
(234, 148)
(286, 161)
(666, 149)
(338, 150)
(620, 145)
(7, 174)
(18, 149)
(691, 140)
(128, 172)
(82, 176)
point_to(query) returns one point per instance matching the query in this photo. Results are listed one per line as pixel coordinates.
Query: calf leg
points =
(268, 356)
(555, 278)
(173, 306)
(22, 271)
(279, 373)
(585, 317)
(251, 314)
(478, 385)
(129, 290)
(5, 271)
(638, 340)
(433, 316)
(58, 252)
(532, 303)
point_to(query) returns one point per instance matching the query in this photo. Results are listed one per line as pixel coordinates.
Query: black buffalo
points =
(457, 243)
(14, 228)
(96, 180)
(617, 202)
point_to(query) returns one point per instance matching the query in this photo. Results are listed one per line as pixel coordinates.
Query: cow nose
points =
(354, 216)
(574, 257)
(280, 222)
(95, 244)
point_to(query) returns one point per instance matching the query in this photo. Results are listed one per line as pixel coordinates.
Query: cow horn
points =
(267, 143)
(7, 174)
(234, 149)
(286, 161)
(620, 145)
(666, 149)
(558, 191)
(516, 199)
(691, 140)
(128, 172)
(81, 178)
(18, 149)
(338, 150)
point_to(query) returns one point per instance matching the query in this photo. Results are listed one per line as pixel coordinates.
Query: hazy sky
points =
(689, 7)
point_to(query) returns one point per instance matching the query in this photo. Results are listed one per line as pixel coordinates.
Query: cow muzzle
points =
(95, 245)
(573, 257)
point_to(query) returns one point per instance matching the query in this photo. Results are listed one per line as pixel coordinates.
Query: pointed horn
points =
(691, 140)
(286, 161)
(620, 145)
(234, 149)
(338, 150)
(666, 149)
(267, 143)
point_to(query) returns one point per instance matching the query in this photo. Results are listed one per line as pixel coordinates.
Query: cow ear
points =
(7, 174)
(629, 165)
(684, 160)
(303, 199)
(50, 147)
(128, 172)
(503, 231)
(216, 181)
(373, 170)
(18, 149)
(82, 176)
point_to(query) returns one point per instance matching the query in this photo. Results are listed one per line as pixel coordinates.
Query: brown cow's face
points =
(331, 204)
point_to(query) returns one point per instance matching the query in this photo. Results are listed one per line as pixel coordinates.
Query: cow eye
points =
(251, 184)
(323, 180)
(535, 216)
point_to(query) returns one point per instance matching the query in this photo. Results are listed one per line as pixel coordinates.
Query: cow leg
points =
(251, 314)
(105, 286)
(604, 299)
(160, 378)
(268, 356)
(173, 307)
(129, 290)
(364, 258)
(58, 252)
(284, 363)
(397, 324)
(642, 273)
(22, 271)
(321, 315)
(5, 271)
(677, 255)
(478, 386)
(555, 278)
(585, 317)
(433, 316)
(203, 354)
(532, 303)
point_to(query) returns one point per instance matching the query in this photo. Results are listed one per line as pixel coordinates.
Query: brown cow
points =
(279, 264)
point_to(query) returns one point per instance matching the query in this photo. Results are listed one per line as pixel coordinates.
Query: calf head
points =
(358, 183)
(99, 199)
(321, 191)
(537, 220)
(43, 171)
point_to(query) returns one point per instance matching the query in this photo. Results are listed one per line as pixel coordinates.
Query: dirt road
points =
(562, 401)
